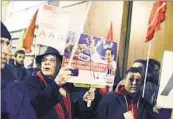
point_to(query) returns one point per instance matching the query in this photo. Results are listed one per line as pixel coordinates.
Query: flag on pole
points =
(157, 16)
(27, 43)
(110, 33)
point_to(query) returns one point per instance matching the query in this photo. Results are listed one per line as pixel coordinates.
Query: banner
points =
(65, 22)
(94, 61)
(53, 24)
(165, 96)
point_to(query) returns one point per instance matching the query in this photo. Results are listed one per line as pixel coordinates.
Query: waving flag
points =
(157, 16)
(27, 43)
(110, 33)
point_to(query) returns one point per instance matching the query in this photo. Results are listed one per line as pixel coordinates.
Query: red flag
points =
(110, 33)
(157, 16)
(27, 43)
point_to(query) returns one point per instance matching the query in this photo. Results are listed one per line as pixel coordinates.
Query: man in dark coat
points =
(18, 69)
(14, 100)
(152, 86)
(48, 95)
(126, 102)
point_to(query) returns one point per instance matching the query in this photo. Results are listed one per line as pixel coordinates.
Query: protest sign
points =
(56, 25)
(165, 96)
(94, 60)
(53, 23)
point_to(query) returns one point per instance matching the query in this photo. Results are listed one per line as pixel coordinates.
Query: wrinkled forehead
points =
(49, 56)
(135, 75)
(138, 64)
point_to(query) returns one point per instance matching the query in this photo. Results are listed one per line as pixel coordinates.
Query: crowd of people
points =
(43, 92)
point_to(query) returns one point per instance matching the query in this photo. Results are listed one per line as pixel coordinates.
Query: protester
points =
(14, 99)
(18, 69)
(140, 63)
(48, 95)
(152, 81)
(126, 101)
(152, 86)
(10, 59)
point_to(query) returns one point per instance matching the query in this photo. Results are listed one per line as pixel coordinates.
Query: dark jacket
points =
(163, 114)
(151, 91)
(115, 104)
(19, 72)
(32, 71)
(44, 98)
(15, 102)
(80, 110)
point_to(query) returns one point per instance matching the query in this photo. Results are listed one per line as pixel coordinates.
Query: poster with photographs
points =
(94, 61)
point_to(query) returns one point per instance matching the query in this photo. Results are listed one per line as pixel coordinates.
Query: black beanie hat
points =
(4, 32)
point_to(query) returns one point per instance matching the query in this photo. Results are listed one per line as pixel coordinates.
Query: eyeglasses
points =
(52, 60)
(132, 79)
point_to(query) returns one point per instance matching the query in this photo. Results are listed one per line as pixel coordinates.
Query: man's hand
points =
(89, 96)
(63, 75)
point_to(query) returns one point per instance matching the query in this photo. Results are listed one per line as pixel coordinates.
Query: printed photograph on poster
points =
(95, 58)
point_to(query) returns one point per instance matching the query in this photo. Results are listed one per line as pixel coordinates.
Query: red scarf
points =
(58, 107)
(133, 106)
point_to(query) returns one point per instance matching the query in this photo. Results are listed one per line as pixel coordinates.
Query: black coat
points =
(44, 98)
(15, 103)
(79, 106)
(113, 106)
(19, 72)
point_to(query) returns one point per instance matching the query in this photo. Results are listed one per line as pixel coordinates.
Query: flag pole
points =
(146, 70)
(36, 49)
(79, 33)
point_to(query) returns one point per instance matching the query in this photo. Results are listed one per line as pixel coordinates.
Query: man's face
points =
(20, 58)
(156, 70)
(48, 65)
(5, 47)
(108, 56)
(133, 82)
(9, 56)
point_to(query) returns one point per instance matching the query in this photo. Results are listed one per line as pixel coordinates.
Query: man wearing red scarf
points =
(48, 95)
(126, 102)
